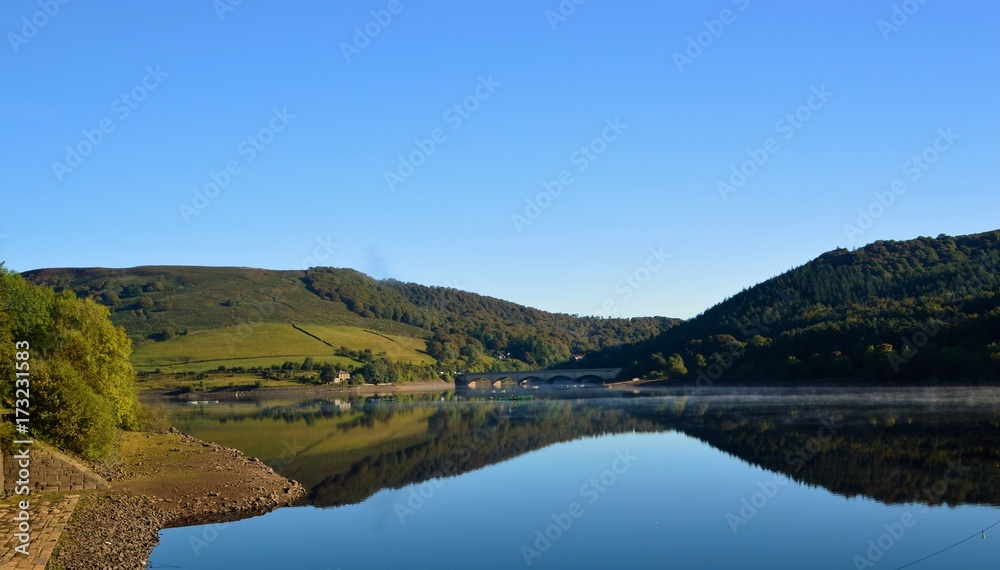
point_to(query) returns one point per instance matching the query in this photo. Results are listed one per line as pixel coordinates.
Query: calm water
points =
(719, 479)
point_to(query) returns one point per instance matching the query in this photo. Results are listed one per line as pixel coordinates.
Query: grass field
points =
(212, 381)
(272, 343)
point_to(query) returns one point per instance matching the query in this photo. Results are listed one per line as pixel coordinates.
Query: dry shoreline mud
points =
(165, 480)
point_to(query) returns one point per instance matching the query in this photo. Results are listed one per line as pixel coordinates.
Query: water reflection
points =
(929, 446)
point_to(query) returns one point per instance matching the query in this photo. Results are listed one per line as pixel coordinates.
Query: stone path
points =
(48, 518)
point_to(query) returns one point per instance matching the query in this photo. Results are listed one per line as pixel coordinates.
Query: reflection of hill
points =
(891, 453)
(892, 459)
(465, 438)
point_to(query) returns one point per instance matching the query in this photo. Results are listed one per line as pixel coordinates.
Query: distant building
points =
(342, 376)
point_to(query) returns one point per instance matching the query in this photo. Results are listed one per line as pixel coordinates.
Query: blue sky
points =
(322, 145)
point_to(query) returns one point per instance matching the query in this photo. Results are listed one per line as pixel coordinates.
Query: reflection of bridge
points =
(539, 376)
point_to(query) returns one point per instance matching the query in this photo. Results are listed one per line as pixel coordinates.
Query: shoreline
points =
(166, 480)
(326, 389)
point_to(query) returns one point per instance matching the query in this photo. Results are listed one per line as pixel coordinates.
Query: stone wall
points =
(50, 471)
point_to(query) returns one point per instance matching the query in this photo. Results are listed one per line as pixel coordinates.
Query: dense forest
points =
(898, 311)
(75, 382)
(466, 326)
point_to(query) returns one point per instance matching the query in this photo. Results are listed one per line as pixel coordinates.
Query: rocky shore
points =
(165, 480)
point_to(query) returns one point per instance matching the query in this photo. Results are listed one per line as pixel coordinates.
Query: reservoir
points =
(720, 478)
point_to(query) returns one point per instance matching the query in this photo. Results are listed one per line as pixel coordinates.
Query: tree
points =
(327, 373)
(83, 333)
(675, 366)
(82, 378)
(110, 298)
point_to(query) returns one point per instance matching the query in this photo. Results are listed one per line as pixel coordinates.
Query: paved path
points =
(48, 519)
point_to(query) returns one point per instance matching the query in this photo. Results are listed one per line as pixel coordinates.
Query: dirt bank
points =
(166, 480)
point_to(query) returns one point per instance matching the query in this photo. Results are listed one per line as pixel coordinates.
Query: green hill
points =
(891, 311)
(184, 319)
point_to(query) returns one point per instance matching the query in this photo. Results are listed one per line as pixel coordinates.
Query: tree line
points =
(892, 311)
(474, 332)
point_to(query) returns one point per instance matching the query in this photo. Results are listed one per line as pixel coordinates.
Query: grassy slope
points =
(271, 343)
(235, 316)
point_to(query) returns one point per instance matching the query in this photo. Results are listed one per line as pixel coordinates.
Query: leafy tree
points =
(327, 373)
(675, 366)
(82, 380)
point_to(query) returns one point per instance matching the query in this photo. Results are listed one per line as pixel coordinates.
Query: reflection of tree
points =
(471, 436)
(930, 460)
(886, 453)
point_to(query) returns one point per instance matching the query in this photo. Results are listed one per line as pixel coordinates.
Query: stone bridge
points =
(580, 376)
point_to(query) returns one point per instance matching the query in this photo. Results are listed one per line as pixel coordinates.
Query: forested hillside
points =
(466, 326)
(185, 319)
(891, 311)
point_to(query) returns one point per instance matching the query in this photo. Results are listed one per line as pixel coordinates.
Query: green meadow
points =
(268, 344)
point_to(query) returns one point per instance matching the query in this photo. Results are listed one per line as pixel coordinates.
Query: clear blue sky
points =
(535, 88)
